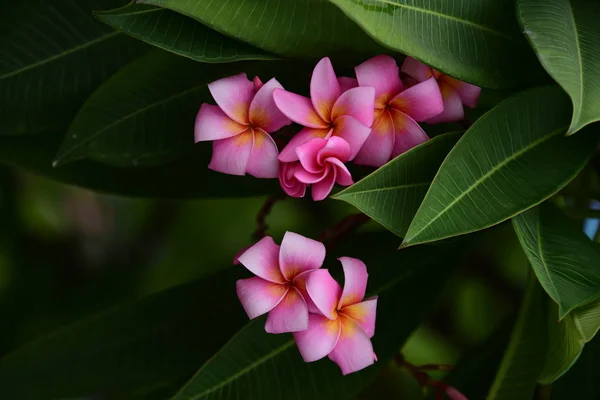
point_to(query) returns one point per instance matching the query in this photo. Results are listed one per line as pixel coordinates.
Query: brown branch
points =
(263, 213)
(332, 235)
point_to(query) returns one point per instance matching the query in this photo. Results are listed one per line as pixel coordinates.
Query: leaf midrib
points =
(577, 112)
(406, 186)
(541, 252)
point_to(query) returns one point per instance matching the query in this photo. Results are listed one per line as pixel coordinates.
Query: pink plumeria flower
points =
(397, 110)
(454, 394)
(288, 181)
(240, 126)
(454, 92)
(344, 329)
(322, 165)
(330, 111)
(280, 282)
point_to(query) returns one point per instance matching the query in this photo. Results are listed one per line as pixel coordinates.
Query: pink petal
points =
(298, 108)
(353, 132)
(347, 83)
(309, 177)
(324, 291)
(262, 259)
(382, 73)
(421, 101)
(231, 156)
(259, 296)
(408, 133)
(358, 102)
(263, 161)
(335, 147)
(469, 94)
(290, 185)
(288, 154)
(290, 315)
(319, 339)
(454, 394)
(324, 88)
(353, 350)
(342, 175)
(233, 94)
(364, 314)
(377, 150)
(308, 154)
(300, 284)
(322, 188)
(264, 113)
(213, 124)
(453, 108)
(355, 281)
(299, 254)
(416, 69)
(257, 83)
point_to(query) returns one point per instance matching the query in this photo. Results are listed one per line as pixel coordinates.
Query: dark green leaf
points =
(587, 320)
(473, 40)
(564, 260)
(179, 34)
(566, 37)
(392, 194)
(54, 54)
(511, 159)
(581, 382)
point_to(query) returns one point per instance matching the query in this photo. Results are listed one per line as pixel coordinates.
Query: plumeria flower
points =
(344, 329)
(454, 92)
(330, 111)
(397, 110)
(240, 126)
(279, 287)
(322, 165)
(288, 181)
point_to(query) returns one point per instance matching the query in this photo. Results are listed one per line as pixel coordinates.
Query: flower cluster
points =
(368, 120)
(304, 299)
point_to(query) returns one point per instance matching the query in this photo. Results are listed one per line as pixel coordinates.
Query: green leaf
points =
(54, 54)
(581, 382)
(307, 29)
(188, 177)
(392, 194)
(587, 320)
(179, 34)
(525, 355)
(564, 260)
(512, 158)
(473, 40)
(255, 365)
(564, 346)
(565, 35)
(150, 342)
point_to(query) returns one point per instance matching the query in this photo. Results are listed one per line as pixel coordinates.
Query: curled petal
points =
(382, 73)
(319, 339)
(353, 350)
(353, 132)
(342, 175)
(335, 147)
(233, 94)
(213, 124)
(263, 161)
(231, 156)
(299, 254)
(262, 259)
(347, 83)
(290, 315)
(288, 182)
(469, 94)
(421, 101)
(324, 88)
(257, 83)
(322, 188)
(288, 154)
(453, 108)
(377, 150)
(324, 291)
(364, 313)
(309, 177)
(264, 113)
(259, 296)
(355, 281)
(416, 69)
(408, 133)
(358, 102)
(298, 108)
(300, 284)
(308, 154)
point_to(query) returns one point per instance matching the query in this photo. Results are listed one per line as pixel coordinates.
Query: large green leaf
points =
(179, 34)
(524, 358)
(255, 365)
(188, 177)
(392, 194)
(511, 159)
(565, 34)
(581, 382)
(474, 40)
(307, 29)
(54, 54)
(564, 260)
(148, 343)
(587, 320)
